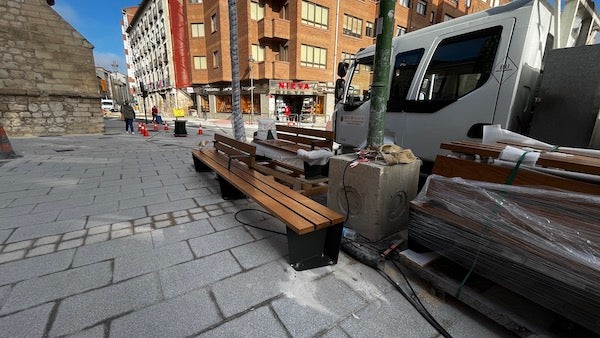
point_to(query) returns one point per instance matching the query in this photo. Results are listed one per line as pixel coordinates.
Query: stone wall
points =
(48, 83)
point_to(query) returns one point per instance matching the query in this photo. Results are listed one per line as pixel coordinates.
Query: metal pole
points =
(251, 60)
(145, 116)
(381, 73)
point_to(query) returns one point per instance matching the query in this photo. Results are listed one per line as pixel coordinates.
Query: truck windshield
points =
(360, 81)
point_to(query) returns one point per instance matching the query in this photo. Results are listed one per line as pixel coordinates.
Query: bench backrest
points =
(311, 137)
(242, 151)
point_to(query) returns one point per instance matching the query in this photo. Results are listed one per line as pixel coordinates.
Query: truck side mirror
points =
(339, 89)
(342, 69)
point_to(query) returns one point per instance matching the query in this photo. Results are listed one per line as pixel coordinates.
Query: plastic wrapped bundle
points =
(542, 244)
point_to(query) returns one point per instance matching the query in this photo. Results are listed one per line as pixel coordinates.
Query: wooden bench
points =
(313, 231)
(291, 139)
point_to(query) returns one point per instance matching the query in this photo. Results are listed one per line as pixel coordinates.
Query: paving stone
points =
(211, 207)
(4, 292)
(163, 224)
(336, 332)
(11, 256)
(74, 234)
(47, 229)
(214, 213)
(257, 323)
(261, 252)
(219, 241)
(16, 211)
(200, 216)
(17, 246)
(46, 240)
(57, 285)
(4, 235)
(185, 277)
(143, 201)
(180, 213)
(87, 309)
(42, 250)
(161, 217)
(177, 317)
(120, 195)
(142, 228)
(165, 189)
(68, 204)
(97, 238)
(305, 311)
(114, 248)
(89, 210)
(70, 244)
(181, 220)
(181, 232)
(120, 226)
(175, 196)
(142, 221)
(31, 219)
(121, 233)
(152, 260)
(224, 222)
(196, 210)
(270, 223)
(157, 209)
(95, 332)
(98, 229)
(262, 284)
(28, 323)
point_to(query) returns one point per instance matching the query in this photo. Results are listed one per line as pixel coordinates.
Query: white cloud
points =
(106, 59)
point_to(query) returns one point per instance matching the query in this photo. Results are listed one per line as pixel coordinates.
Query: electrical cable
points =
(235, 216)
(374, 262)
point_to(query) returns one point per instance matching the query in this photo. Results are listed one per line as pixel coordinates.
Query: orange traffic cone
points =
(146, 134)
(199, 129)
(155, 126)
(166, 126)
(6, 150)
(139, 127)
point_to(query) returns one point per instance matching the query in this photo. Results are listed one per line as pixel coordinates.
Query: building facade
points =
(288, 49)
(48, 83)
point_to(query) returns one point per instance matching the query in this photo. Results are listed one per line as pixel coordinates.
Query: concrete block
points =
(377, 194)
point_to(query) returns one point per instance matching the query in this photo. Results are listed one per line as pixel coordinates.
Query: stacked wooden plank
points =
(541, 243)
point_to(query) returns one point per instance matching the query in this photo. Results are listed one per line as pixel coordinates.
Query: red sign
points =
(294, 85)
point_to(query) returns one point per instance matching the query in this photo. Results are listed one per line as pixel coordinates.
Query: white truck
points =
(449, 80)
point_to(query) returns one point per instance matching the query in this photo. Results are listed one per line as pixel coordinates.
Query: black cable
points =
(235, 216)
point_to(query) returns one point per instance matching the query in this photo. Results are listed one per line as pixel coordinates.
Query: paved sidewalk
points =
(117, 235)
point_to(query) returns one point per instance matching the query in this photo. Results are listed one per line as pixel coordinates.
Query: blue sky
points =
(99, 21)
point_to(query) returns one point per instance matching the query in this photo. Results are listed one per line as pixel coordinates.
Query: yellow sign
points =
(178, 112)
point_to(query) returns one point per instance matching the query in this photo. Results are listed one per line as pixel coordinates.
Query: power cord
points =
(235, 216)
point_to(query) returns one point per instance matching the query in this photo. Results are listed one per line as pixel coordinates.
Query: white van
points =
(450, 79)
(107, 105)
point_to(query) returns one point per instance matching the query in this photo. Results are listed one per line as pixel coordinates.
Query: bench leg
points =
(228, 191)
(199, 166)
(316, 249)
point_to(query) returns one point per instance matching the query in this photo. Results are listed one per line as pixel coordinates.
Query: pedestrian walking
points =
(154, 113)
(128, 115)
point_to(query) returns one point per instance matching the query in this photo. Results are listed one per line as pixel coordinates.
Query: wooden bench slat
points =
(270, 202)
(245, 147)
(301, 206)
(326, 134)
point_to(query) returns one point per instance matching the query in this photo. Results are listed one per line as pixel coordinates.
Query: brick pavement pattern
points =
(116, 235)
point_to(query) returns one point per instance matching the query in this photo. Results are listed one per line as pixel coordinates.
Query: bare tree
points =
(237, 121)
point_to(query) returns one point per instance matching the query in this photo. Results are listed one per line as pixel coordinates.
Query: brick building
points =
(48, 83)
(288, 49)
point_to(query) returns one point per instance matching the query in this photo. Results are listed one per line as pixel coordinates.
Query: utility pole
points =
(381, 73)
(237, 122)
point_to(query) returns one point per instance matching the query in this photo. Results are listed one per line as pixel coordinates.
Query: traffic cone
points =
(146, 134)
(139, 127)
(6, 150)
(166, 126)
(199, 129)
(155, 126)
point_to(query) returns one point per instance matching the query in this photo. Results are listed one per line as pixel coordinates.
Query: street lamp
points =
(251, 60)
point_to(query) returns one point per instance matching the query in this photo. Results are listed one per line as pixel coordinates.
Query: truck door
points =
(456, 89)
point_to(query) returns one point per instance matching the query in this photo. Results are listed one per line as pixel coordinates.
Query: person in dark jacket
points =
(128, 115)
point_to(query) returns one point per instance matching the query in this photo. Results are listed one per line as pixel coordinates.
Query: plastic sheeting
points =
(542, 244)
(181, 58)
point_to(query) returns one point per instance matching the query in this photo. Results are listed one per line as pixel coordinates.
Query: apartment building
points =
(288, 49)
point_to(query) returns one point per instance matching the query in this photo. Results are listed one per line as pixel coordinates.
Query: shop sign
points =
(292, 88)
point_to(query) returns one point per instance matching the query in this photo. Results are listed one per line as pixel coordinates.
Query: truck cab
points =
(449, 80)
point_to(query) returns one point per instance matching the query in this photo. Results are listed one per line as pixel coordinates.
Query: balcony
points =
(273, 70)
(278, 29)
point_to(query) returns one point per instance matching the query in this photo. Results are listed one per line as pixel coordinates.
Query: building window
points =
(216, 60)
(198, 30)
(370, 30)
(352, 26)
(349, 57)
(405, 3)
(315, 15)
(195, 1)
(421, 7)
(257, 10)
(199, 62)
(311, 56)
(258, 53)
(431, 17)
(213, 23)
(400, 30)
(283, 53)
